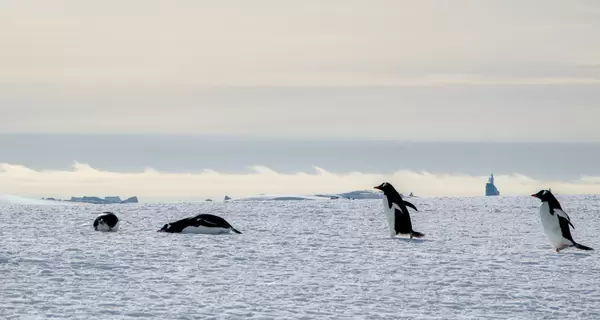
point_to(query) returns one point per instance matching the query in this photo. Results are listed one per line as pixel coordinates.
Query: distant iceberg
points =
(10, 199)
(490, 188)
(98, 200)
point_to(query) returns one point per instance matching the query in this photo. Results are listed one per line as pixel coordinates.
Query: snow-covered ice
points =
(481, 258)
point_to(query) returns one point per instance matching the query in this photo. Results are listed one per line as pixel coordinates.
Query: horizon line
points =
(152, 183)
(333, 138)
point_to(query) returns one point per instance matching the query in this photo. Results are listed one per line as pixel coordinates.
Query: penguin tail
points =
(416, 234)
(582, 247)
(235, 230)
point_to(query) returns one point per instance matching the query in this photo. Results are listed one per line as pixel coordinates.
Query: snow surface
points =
(481, 258)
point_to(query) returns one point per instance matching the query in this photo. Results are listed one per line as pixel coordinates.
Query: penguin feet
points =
(416, 234)
(559, 249)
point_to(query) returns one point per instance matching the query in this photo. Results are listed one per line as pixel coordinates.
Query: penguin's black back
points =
(402, 223)
(207, 220)
(109, 218)
(393, 196)
(553, 202)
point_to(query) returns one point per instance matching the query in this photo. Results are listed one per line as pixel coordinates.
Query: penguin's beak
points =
(535, 196)
(377, 187)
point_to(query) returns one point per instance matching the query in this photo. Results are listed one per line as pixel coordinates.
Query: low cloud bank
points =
(152, 184)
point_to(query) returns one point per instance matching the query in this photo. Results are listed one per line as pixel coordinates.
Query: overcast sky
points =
(499, 70)
(411, 70)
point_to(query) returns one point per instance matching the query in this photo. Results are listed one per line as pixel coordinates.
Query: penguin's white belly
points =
(552, 227)
(205, 230)
(105, 228)
(390, 216)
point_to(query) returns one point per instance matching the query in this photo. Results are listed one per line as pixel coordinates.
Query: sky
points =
(497, 71)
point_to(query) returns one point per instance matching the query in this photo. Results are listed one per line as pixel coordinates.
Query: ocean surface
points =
(481, 258)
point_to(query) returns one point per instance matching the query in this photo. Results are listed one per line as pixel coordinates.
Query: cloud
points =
(183, 67)
(152, 184)
(271, 42)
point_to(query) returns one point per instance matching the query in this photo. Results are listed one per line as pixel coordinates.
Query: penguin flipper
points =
(564, 228)
(564, 215)
(410, 205)
(204, 222)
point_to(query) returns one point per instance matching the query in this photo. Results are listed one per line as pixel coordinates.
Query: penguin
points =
(396, 213)
(556, 222)
(202, 223)
(106, 221)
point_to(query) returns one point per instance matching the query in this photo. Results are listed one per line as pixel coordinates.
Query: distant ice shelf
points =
(276, 197)
(358, 194)
(352, 195)
(12, 199)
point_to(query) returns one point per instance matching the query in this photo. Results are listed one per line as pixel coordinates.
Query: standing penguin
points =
(556, 222)
(107, 221)
(396, 213)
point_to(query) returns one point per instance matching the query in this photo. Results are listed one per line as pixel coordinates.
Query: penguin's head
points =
(386, 187)
(544, 195)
